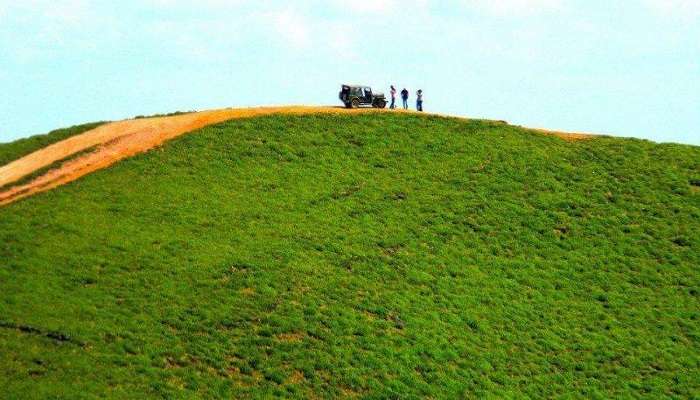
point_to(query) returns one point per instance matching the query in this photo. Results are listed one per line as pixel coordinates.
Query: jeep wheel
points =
(355, 103)
(381, 104)
(348, 105)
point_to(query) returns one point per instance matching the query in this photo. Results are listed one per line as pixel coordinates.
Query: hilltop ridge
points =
(106, 143)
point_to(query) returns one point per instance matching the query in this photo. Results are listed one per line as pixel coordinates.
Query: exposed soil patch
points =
(568, 136)
(295, 378)
(290, 337)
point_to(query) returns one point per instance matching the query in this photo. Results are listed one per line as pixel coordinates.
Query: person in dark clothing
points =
(404, 97)
(419, 102)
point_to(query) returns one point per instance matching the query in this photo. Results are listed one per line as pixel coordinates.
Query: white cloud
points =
(292, 27)
(198, 4)
(382, 7)
(514, 7)
(372, 6)
(43, 11)
(340, 40)
(40, 28)
(684, 8)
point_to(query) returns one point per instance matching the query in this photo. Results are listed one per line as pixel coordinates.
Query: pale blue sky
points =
(628, 67)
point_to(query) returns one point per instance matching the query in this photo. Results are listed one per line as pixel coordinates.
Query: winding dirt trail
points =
(118, 140)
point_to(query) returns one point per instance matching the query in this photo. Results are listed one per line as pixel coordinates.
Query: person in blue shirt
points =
(404, 97)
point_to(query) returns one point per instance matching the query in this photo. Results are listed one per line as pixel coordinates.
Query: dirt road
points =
(118, 140)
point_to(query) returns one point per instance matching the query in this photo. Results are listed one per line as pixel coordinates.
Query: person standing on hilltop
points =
(404, 97)
(393, 97)
(419, 101)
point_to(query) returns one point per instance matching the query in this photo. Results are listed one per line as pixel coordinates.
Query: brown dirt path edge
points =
(118, 140)
(122, 139)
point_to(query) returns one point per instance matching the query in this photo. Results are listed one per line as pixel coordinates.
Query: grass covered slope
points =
(365, 255)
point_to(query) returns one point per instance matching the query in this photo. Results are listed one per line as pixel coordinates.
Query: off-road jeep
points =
(355, 96)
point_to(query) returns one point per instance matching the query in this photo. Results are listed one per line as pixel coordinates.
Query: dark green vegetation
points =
(20, 148)
(172, 114)
(361, 255)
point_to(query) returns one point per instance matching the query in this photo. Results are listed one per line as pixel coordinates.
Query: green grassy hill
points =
(374, 255)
